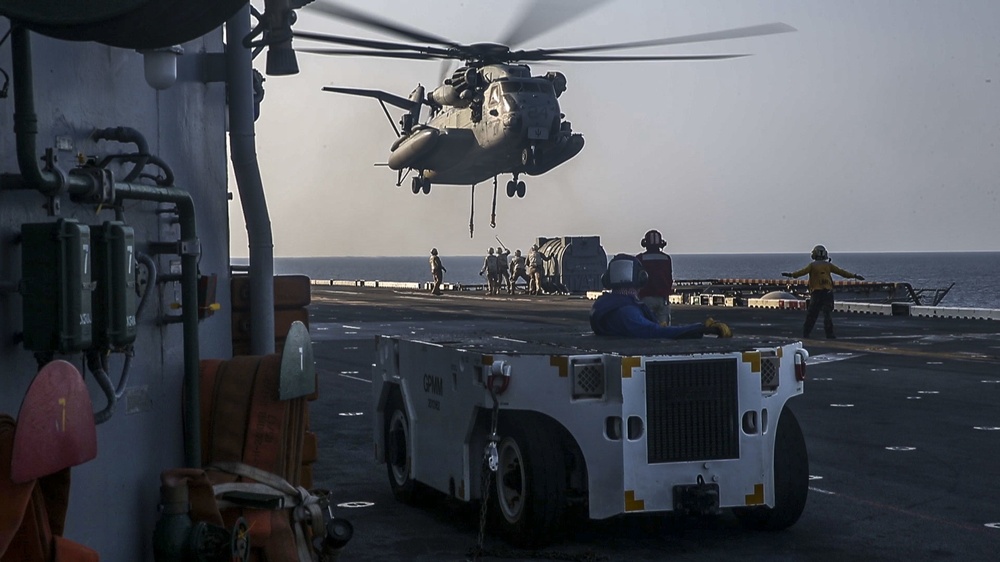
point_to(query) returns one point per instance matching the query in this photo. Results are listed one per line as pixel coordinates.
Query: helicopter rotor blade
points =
(735, 33)
(541, 16)
(374, 22)
(364, 53)
(622, 58)
(370, 43)
(443, 70)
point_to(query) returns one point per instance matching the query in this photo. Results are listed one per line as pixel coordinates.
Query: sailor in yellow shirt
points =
(821, 272)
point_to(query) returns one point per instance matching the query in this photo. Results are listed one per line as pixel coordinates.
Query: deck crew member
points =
(535, 264)
(656, 292)
(490, 269)
(621, 313)
(437, 272)
(820, 272)
(503, 272)
(518, 271)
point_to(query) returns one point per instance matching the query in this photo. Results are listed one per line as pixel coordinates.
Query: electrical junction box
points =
(114, 297)
(56, 286)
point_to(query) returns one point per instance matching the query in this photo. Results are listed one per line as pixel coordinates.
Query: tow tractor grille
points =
(692, 411)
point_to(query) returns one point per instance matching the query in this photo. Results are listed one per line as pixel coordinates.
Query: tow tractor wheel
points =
(528, 498)
(520, 189)
(398, 452)
(791, 480)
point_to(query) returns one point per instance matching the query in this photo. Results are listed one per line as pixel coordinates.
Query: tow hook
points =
(696, 499)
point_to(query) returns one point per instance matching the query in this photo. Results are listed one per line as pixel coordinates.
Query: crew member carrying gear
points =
(490, 269)
(821, 289)
(621, 313)
(656, 292)
(518, 271)
(503, 274)
(535, 259)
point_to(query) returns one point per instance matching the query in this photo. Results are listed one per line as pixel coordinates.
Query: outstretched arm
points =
(638, 326)
(798, 273)
(845, 274)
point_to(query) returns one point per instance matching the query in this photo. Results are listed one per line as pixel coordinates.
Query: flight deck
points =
(899, 416)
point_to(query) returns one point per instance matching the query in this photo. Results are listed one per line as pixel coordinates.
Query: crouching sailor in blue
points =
(621, 313)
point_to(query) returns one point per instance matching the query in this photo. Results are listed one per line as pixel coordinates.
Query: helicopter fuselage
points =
(514, 127)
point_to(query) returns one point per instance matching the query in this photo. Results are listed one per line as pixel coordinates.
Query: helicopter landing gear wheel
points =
(418, 184)
(520, 189)
(511, 188)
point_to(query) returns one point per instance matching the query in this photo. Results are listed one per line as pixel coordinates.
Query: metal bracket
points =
(190, 247)
(102, 182)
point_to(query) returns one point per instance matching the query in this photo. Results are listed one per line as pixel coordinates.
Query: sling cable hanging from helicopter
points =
(493, 216)
(472, 211)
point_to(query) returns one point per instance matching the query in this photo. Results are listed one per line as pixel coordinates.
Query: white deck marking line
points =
(355, 504)
(351, 327)
(830, 357)
(822, 491)
(354, 378)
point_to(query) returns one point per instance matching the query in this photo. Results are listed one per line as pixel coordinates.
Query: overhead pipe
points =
(93, 186)
(243, 151)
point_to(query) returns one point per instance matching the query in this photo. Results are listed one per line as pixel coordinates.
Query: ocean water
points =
(975, 274)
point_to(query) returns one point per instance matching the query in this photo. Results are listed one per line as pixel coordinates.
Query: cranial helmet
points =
(517, 252)
(653, 239)
(820, 253)
(534, 246)
(624, 272)
(499, 249)
(491, 251)
(434, 251)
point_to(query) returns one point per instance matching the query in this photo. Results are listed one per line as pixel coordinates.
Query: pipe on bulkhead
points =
(53, 182)
(243, 151)
(127, 134)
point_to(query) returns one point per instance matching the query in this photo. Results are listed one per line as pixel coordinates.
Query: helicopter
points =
(491, 116)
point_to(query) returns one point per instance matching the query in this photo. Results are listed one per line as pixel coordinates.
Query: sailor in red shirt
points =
(656, 292)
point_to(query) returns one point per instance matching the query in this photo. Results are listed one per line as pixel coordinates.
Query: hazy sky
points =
(874, 127)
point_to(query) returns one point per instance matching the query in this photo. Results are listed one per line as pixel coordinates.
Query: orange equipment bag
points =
(252, 448)
(55, 431)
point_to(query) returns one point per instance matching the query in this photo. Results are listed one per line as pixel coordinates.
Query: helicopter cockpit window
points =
(517, 86)
(494, 96)
(510, 87)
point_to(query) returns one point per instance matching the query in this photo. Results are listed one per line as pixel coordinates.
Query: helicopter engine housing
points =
(449, 95)
(558, 80)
